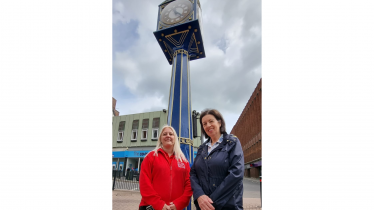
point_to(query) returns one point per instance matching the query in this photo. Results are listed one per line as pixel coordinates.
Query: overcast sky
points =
(224, 80)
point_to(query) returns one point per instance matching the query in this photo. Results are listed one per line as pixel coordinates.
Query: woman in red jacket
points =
(165, 175)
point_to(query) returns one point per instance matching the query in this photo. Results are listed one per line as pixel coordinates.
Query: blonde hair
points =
(177, 149)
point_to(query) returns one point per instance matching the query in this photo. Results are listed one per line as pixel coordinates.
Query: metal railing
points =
(125, 180)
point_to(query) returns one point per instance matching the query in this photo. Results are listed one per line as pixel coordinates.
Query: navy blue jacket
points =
(219, 175)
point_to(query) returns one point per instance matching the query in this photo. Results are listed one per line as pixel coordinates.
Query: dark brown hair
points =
(216, 115)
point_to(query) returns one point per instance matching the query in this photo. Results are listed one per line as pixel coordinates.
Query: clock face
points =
(176, 11)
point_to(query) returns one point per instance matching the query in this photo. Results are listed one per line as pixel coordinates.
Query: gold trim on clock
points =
(193, 40)
(168, 48)
(181, 39)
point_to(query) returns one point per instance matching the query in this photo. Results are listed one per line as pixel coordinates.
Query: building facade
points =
(114, 111)
(135, 135)
(248, 129)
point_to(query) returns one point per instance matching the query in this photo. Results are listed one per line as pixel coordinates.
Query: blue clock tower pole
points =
(179, 111)
(179, 34)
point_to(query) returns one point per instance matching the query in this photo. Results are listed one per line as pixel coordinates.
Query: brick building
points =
(114, 111)
(248, 129)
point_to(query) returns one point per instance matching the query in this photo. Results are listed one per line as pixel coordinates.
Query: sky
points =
(224, 80)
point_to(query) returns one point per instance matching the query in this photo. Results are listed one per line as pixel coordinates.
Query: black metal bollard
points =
(261, 191)
(114, 181)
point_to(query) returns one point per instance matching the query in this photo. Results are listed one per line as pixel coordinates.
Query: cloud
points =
(146, 104)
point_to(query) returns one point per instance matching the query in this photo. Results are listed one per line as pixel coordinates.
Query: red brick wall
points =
(114, 102)
(248, 128)
(254, 172)
(246, 172)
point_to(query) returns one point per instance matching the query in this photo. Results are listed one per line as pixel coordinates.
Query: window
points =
(114, 167)
(120, 137)
(121, 129)
(154, 134)
(156, 122)
(155, 127)
(134, 132)
(144, 134)
(134, 135)
(145, 126)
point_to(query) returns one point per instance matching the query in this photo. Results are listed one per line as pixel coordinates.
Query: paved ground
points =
(129, 200)
(125, 200)
(251, 188)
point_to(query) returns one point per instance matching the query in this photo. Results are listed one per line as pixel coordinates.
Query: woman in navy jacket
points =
(218, 169)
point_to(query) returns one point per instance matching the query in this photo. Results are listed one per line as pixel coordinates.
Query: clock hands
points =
(175, 11)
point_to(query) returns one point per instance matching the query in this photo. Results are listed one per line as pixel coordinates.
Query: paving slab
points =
(129, 200)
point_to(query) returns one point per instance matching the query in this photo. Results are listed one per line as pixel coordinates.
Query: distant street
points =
(251, 189)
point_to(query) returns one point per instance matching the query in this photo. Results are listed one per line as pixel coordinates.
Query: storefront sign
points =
(130, 154)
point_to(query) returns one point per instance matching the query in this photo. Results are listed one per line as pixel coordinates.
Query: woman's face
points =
(211, 125)
(167, 138)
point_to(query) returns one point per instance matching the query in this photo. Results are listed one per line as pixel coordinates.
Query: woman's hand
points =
(172, 206)
(205, 203)
(166, 207)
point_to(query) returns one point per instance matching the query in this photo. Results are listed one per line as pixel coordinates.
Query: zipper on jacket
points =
(171, 179)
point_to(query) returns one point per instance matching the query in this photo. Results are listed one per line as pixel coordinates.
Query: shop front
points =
(128, 160)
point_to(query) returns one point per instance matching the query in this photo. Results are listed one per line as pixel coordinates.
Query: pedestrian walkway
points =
(257, 180)
(125, 200)
(129, 200)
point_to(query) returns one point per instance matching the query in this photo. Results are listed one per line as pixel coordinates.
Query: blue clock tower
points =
(180, 35)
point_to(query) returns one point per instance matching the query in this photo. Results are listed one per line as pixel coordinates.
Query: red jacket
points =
(163, 179)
